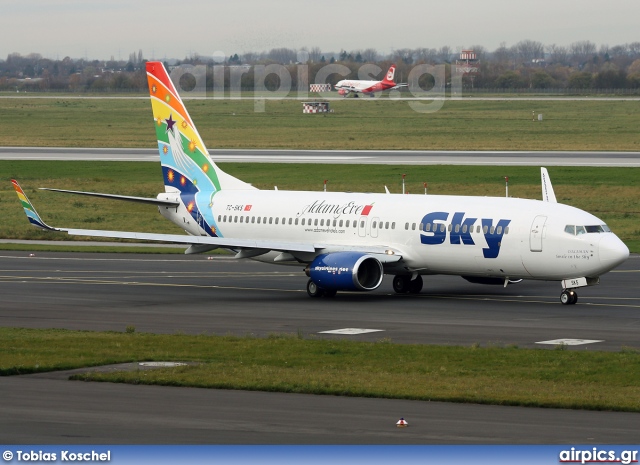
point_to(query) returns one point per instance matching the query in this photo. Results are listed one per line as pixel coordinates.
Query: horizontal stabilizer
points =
(163, 203)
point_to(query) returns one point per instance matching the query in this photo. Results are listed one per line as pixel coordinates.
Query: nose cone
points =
(612, 251)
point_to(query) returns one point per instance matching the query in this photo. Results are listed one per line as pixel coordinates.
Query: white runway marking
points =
(570, 342)
(350, 331)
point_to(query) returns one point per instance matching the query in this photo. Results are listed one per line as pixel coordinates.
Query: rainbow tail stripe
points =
(186, 165)
(32, 214)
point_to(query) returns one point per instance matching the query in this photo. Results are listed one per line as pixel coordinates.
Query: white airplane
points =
(347, 86)
(349, 241)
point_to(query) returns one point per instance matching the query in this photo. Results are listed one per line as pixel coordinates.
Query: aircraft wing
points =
(398, 86)
(223, 242)
(163, 203)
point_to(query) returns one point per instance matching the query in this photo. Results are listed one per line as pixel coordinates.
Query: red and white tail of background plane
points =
(347, 86)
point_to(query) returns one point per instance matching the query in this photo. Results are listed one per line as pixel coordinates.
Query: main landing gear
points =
(568, 297)
(316, 291)
(403, 284)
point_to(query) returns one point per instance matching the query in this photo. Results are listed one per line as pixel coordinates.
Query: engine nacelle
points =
(346, 271)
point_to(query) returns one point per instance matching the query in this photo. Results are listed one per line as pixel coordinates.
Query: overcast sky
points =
(178, 28)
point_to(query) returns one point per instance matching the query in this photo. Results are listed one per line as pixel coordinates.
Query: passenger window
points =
(442, 227)
(421, 228)
(259, 220)
(362, 224)
(373, 226)
(270, 220)
(290, 220)
(315, 223)
(277, 220)
(506, 230)
(393, 225)
(219, 218)
(499, 230)
(224, 218)
(302, 221)
(386, 225)
(235, 219)
(485, 229)
(296, 221)
(449, 227)
(253, 219)
(457, 228)
(464, 228)
(413, 226)
(478, 229)
(347, 224)
(492, 230)
(406, 226)
(428, 228)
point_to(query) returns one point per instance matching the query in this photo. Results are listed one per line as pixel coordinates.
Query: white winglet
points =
(547, 189)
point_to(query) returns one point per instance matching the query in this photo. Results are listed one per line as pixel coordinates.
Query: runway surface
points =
(194, 295)
(386, 157)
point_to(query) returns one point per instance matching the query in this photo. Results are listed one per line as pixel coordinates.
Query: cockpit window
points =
(600, 228)
(578, 230)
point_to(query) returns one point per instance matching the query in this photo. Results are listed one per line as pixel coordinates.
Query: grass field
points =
(355, 124)
(612, 194)
(294, 363)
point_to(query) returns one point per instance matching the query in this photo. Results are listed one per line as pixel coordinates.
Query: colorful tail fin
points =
(388, 78)
(186, 165)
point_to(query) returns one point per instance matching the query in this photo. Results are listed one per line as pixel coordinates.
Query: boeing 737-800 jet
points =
(347, 86)
(349, 241)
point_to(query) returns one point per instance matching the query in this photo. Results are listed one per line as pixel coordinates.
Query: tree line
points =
(526, 65)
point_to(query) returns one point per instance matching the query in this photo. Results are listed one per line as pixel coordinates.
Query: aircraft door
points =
(375, 224)
(362, 226)
(537, 230)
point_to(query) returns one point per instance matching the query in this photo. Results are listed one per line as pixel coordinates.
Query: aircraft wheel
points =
(415, 286)
(314, 290)
(568, 297)
(330, 292)
(401, 283)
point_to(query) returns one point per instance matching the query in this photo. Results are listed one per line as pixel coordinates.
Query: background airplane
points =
(349, 241)
(347, 86)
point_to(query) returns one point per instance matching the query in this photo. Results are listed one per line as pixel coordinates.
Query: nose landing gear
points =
(568, 297)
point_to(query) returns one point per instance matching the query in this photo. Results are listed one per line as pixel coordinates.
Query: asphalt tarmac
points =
(195, 294)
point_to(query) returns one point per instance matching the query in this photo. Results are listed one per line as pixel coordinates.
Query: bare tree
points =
(581, 52)
(444, 54)
(315, 54)
(529, 50)
(558, 54)
(370, 55)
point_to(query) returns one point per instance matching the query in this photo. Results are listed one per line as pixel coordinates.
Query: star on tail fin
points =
(183, 155)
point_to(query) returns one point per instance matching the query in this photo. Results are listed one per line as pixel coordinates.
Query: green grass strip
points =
(578, 379)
